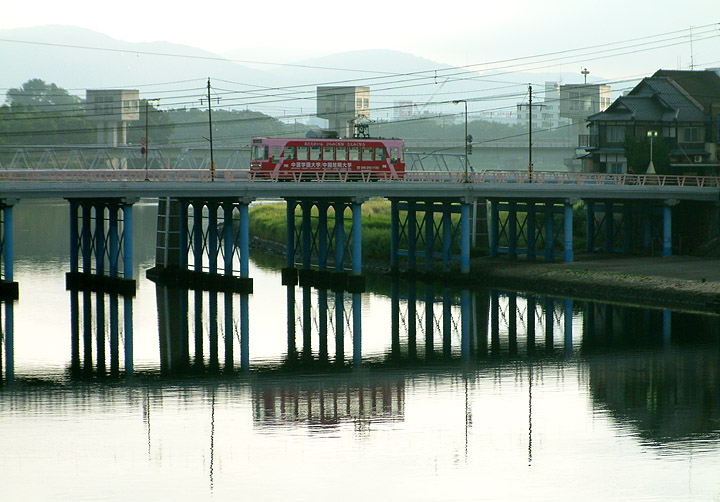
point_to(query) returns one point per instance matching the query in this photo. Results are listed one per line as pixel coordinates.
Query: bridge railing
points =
(244, 175)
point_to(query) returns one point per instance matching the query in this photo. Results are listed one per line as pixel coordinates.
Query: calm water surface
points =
(544, 399)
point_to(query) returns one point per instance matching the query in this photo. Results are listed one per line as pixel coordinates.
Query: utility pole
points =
(146, 145)
(530, 164)
(212, 160)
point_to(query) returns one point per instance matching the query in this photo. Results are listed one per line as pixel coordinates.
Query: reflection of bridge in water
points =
(461, 333)
(209, 332)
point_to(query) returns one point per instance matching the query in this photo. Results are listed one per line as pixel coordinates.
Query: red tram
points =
(362, 158)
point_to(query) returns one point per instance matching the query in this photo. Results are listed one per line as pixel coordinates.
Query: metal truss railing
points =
(236, 175)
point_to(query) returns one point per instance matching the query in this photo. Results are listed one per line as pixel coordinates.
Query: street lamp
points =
(455, 102)
(651, 167)
(146, 145)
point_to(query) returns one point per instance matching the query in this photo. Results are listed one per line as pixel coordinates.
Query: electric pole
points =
(530, 164)
(212, 160)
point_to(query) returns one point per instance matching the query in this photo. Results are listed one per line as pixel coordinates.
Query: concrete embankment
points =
(678, 282)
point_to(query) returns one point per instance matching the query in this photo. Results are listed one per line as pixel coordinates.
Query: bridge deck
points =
(20, 184)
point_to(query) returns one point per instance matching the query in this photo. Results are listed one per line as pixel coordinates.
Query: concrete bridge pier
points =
(203, 244)
(627, 227)
(519, 225)
(8, 288)
(415, 226)
(101, 245)
(314, 239)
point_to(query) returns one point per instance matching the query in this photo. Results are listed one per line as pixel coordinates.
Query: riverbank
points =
(677, 282)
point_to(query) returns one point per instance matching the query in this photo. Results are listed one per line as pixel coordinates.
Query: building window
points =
(614, 134)
(693, 135)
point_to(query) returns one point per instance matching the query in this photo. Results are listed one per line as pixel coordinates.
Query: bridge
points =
(203, 221)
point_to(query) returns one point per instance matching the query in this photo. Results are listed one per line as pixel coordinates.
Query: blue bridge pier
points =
(203, 243)
(101, 245)
(545, 228)
(8, 288)
(427, 229)
(324, 243)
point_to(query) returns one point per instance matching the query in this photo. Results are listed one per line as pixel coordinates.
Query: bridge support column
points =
(127, 238)
(102, 244)
(322, 236)
(339, 236)
(429, 236)
(411, 231)
(290, 233)
(183, 262)
(627, 228)
(212, 238)
(494, 228)
(512, 230)
(197, 236)
(549, 231)
(667, 230)
(8, 288)
(589, 226)
(394, 236)
(568, 233)
(465, 238)
(530, 231)
(647, 230)
(306, 233)
(356, 238)
(609, 227)
(244, 239)
(447, 236)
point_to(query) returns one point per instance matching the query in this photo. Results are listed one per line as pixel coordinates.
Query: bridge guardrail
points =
(244, 175)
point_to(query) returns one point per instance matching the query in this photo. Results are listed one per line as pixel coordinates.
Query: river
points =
(324, 398)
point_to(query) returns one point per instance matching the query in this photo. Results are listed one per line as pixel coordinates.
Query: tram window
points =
(275, 154)
(260, 152)
(328, 153)
(395, 155)
(290, 153)
(367, 153)
(354, 153)
(315, 153)
(380, 153)
(341, 153)
(302, 153)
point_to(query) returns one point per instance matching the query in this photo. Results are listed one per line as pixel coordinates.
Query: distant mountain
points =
(77, 59)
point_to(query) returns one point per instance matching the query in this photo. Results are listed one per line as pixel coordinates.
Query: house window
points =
(615, 167)
(693, 135)
(615, 134)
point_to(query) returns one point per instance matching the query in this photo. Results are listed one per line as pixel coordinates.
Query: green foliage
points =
(230, 127)
(41, 113)
(159, 126)
(637, 153)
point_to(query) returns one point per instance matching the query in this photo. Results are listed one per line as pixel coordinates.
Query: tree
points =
(41, 113)
(637, 153)
(43, 97)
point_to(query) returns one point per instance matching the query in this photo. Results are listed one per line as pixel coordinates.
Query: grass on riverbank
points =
(267, 221)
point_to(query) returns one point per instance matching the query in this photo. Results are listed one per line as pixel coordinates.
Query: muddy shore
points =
(678, 282)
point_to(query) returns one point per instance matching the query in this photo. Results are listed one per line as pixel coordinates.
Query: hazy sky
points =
(455, 32)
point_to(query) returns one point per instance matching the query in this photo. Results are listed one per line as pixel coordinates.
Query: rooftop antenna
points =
(585, 72)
